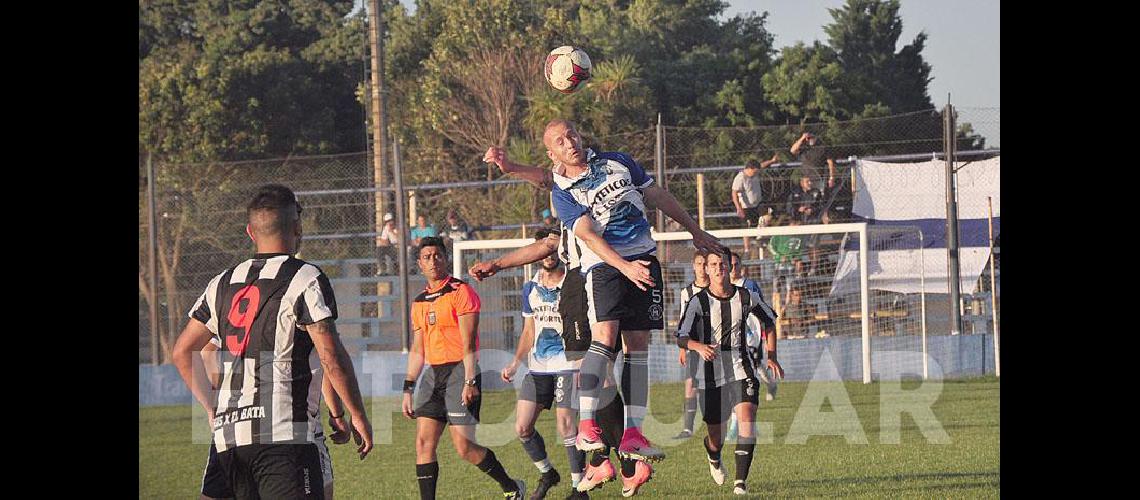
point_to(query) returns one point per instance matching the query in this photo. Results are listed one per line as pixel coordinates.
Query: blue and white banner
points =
(900, 199)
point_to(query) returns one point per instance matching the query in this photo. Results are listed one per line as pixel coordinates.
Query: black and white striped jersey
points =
(271, 375)
(709, 319)
(686, 294)
(570, 249)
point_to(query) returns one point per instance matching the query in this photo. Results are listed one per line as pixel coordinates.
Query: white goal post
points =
(461, 257)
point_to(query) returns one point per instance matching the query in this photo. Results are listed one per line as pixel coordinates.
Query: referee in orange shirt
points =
(445, 320)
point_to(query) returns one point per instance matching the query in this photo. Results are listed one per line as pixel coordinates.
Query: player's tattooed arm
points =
(338, 368)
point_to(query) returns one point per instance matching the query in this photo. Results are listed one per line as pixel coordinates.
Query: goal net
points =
(834, 316)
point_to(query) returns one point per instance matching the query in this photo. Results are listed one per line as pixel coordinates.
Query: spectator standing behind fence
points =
(457, 229)
(812, 156)
(746, 194)
(422, 230)
(386, 247)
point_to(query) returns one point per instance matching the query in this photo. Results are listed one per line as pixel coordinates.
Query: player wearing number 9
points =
(274, 317)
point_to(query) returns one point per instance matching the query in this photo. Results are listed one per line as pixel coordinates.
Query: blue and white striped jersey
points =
(610, 192)
(548, 353)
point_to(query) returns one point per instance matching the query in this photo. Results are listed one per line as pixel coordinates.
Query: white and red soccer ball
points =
(567, 68)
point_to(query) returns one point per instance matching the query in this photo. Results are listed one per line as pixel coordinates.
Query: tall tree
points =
(241, 80)
(236, 80)
(865, 35)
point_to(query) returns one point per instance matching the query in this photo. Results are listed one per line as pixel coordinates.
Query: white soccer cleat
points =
(739, 488)
(717, 472)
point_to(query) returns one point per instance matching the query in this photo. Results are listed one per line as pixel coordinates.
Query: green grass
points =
(966, 464)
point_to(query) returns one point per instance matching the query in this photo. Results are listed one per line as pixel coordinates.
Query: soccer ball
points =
(567, 68)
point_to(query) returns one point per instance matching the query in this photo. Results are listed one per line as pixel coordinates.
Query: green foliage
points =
(248, 80)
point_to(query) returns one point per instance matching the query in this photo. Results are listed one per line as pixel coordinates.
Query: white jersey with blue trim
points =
(750, 284)
(610, 192)
(548, 351)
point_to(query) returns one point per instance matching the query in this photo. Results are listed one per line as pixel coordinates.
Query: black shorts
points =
(692, 363)
(439, 395)
(717, 404)
(548, 389)
(612, 296)
(273, 471)
(572, 307)
(752, 215)
(215, 483)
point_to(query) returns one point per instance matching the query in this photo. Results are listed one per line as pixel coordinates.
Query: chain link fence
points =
(200, 208)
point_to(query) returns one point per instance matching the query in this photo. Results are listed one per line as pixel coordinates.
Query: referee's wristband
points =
(336, 416)
(409, 386)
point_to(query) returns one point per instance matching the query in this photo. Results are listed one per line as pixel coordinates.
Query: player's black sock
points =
(600, 456)
(744, 448)
(690, 412)
(628, 467)
(594, 367)
(493, 468)
(609, 417)
(427, 475)
(535, 448)
(714, 456)
(635, 387)
(577, 459)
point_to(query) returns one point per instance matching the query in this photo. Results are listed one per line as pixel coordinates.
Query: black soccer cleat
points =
(548, 480)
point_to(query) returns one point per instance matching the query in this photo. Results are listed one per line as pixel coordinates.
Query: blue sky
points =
(963, 45)
(963, 40)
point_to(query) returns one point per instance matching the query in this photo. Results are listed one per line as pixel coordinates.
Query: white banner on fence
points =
(895, 198)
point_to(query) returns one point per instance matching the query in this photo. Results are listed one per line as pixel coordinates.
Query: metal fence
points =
(200, 208)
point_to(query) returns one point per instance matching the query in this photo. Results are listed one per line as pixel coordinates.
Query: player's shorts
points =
(752, 215)
(612, 296)
(287, 471)
(575, 323)
(439, 395)
(717, 403)
(692, 363)
(326, 460)
(216, 484)
(548, 389)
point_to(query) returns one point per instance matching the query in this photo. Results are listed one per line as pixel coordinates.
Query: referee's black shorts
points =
(440, 395)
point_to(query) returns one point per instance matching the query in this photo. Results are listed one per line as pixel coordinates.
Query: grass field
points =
(964, 462)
